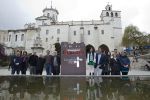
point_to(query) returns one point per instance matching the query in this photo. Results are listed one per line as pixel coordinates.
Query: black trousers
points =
(56, 70)
(124, 73)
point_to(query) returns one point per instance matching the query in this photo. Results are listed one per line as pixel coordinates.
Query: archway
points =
(104, 48)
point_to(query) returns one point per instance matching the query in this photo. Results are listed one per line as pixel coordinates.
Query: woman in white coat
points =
(90, 62)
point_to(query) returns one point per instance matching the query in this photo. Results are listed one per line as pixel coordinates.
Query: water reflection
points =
(74, 88)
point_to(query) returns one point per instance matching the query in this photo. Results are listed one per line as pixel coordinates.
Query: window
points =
(58, 31)
(16, 38)
(107, 14)
(112, 14)
(46, 39)
(75, 33)
(52, 37)
(47, 32)
(48, 15)
(58, 39)
(43, 22)
(102, 31)
(22, 37)
(109, 8)
(89, 32)
(9, 38)
(116, 14)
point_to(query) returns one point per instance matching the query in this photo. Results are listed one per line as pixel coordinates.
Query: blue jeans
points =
(48, 69)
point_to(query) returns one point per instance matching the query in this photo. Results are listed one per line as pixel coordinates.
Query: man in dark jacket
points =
(15, 63)
(124, 63)
(40, 65)
(33, 60)
(115, 65)
(56, 64)
(24, 63)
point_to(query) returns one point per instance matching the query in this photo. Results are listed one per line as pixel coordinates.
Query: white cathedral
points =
(47, 30)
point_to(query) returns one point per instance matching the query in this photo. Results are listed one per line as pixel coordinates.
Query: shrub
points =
(4, 61)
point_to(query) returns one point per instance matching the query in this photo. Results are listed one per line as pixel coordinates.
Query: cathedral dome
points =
(51, 9)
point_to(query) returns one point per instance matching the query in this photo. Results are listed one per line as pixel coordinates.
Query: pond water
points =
(74, 88)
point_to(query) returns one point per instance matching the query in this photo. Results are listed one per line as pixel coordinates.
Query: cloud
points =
(16, 13)
(10, 14)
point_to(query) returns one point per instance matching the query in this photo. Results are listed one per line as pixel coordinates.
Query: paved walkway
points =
(132, 72)
(136, 69)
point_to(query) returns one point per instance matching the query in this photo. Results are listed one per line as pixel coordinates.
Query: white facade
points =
(107, 30)
(3, 36)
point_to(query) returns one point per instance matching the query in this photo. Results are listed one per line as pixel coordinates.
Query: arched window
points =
(112, 14)
(22, 37)
(109, 9)
(107, 14)
(116, 14)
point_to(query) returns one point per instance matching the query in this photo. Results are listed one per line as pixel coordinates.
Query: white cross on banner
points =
(78, 61)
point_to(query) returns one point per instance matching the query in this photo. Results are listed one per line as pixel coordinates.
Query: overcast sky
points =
(15, 13)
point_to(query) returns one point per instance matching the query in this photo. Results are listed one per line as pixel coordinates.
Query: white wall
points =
(111, 25)
(30, 37)
(53, 35)
(3, 36)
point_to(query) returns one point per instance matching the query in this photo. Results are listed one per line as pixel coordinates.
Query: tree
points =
(147, 37)
(132, 36)
(58, 48)
(129, 33)
(2, 53)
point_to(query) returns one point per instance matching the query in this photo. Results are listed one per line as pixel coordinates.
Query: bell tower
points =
(110, 15)
(51, 13)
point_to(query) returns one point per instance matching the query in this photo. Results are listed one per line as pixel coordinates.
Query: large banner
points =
(73, 59)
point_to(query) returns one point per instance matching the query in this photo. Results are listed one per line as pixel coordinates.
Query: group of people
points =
(20, 62)
(105, 63)
(98, 63)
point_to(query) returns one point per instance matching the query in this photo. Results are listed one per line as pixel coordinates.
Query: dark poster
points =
(73, 59)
